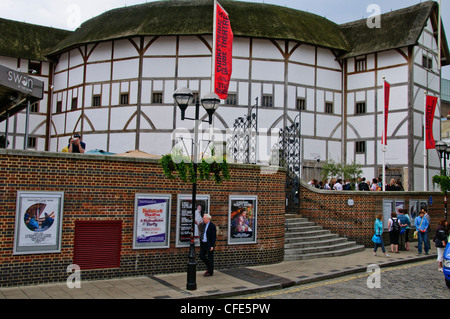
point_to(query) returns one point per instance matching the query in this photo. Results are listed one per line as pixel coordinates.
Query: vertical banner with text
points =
(387, 92)
(431, 102)
(223, 53)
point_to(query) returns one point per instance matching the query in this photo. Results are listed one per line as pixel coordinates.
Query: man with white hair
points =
(207, 244)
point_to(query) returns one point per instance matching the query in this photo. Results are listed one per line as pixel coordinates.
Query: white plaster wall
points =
(121, 142)
(98, 72)
(302, 75)
(101, 52)
(158, 67)
(304, 54)
(98, 117)
(126, 69)
(163, 46)
(329, 79)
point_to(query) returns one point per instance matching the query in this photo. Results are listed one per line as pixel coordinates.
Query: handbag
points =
(376, 239)
(416, 233)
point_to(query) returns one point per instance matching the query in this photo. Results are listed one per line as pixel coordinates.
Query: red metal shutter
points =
(97, 244)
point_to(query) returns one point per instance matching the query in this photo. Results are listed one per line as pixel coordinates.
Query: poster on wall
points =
(184, 218)
(38, 222)
(242, 219)
(151, 221)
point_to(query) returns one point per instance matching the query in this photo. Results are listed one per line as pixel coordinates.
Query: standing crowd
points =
(399, 226)
(360, 184)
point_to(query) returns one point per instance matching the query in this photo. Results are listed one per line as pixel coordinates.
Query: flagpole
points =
(439, 39)
(384, 137)
(425, 155)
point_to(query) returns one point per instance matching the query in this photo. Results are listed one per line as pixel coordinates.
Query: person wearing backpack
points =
(394, 232)
(405, 225)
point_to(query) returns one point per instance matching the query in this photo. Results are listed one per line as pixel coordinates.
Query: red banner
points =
(387, 91)
(224, 53)
(430, 108)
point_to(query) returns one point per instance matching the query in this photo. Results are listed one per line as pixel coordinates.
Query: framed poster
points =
(415, 206)
(242, 219)
(38, 222)
(184, 218)
(151, 221)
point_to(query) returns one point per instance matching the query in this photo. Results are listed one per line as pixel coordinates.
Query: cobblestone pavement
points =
(419, 280)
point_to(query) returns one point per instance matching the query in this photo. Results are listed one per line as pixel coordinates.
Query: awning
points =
(16, 90)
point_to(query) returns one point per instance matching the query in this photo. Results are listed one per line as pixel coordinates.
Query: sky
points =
(69, 14)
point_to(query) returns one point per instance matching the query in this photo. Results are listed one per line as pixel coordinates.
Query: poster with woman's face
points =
(242, 219)
(38, 222)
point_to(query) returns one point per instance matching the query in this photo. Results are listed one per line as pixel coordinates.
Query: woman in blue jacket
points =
(378, 233)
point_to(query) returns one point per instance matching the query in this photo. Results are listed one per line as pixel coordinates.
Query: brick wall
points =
(331, 210)
(103, 188)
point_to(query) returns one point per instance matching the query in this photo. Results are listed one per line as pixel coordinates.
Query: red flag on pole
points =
(431, 102)
(387, 91)
(223, 53)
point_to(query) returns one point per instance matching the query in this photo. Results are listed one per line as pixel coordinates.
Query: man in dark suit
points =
(207, 244)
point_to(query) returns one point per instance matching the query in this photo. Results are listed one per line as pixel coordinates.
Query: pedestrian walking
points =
(394, 232)
(421, 224)
(377, 237)
(441, 240)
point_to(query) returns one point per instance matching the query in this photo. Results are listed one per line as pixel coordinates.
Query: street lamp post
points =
(443, 150)
(210, 102)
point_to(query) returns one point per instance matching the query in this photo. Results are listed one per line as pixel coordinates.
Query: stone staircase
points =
(306, 240)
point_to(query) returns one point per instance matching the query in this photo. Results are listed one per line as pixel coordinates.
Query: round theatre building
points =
(113, 79)
(115, 76)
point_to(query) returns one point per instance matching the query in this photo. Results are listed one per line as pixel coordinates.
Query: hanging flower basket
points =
(184, 168)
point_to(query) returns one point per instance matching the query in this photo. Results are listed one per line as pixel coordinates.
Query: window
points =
(32, 142)
(301, 104)
(360, 108)
(329, 108)
(59, 107)
(34, 108)
(360, 64)
(74, 103)
(427, 62)
(97, 100)
(124, 98)
(34, 67)
(360, 147)
(267, 100)
(231, 99)
(157, 98)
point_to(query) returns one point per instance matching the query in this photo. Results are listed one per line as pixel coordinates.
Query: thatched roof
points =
(399, 29)
(28, 41)
(194, 17)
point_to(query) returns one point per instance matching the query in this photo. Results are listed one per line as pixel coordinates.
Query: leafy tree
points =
(346, 171)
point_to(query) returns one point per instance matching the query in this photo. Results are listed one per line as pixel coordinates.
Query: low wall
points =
(103, 188)
(352, 214)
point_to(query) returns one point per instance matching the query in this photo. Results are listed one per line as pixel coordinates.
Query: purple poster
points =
(151, 221)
